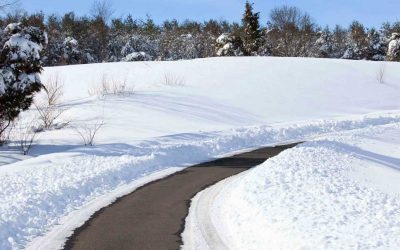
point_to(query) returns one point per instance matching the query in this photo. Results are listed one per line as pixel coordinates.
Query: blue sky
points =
(325, 12)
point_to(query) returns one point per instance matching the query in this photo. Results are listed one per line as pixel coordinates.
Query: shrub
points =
(88, 132)
(48, 106)
(111, 87)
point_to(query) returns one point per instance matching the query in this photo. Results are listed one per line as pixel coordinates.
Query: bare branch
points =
(49, 107)
(88, 132)
(26, 136)
(5, 4)
(380, 74)
(111, 87)
(102, 9)
(173, 81)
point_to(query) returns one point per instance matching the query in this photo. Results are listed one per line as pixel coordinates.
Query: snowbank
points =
(37, 193)
(337, 192)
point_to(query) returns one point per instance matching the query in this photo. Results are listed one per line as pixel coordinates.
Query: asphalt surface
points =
(153, 216)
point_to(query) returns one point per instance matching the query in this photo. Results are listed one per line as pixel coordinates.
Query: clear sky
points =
(324, 12)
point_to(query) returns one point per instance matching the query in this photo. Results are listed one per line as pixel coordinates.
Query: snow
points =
(2, 86)
(136, 56)
(223, 105)
(223, 38)
(71, 41)
(394, 45)
(336, 192)
(22, 47)
(26, 49)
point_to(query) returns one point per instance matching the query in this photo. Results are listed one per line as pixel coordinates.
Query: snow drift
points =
(338, 192)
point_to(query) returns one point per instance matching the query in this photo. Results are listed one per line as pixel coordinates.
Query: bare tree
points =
(291, 32)
(102, 9)
(5, 4)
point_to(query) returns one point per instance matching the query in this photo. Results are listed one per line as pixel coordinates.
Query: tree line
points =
(288, 32)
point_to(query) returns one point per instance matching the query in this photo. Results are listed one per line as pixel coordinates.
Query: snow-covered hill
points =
(179, 113)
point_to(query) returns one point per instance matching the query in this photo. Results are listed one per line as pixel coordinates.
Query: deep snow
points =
(338, 192)
(223, 105)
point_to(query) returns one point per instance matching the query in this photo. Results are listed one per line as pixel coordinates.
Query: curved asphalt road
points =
(153, 216)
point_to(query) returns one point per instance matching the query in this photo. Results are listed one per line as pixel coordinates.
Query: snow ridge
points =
(309, 197)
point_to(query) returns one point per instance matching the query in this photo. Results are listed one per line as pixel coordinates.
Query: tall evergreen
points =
(252, 31)
(20, 65)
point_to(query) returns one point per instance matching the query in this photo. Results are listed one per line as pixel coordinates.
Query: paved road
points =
(152, 217)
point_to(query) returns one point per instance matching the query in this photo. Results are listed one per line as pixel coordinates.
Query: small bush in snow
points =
(380, 74)
(111, 87)
(48, 106)
(173, 81)
(88, 132)
(25, 135)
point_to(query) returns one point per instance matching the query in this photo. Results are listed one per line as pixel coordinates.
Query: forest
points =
(287, 32)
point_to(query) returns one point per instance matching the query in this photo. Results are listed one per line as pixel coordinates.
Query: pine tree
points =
(324, 45)
(252, 32)
(376, 49)
(229, 45)
(393, 53)
(20, 57)
(357, 42)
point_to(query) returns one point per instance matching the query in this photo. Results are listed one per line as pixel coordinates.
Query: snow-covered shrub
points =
(229, 45)
(21, 49)
(349, 54)
(136, 56)
(175, 46)
(324, 44)
(142, 43)
(70, 51)
(393, 53)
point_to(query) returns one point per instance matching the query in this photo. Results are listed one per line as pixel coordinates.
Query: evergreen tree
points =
(70, 51)
(252, 32)
(377, 49)
(229, 45)
(324, 45)
(20, 65)
(393, 53)
(357, 42)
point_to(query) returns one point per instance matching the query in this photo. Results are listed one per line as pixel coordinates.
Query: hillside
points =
(171, 115)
